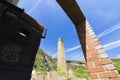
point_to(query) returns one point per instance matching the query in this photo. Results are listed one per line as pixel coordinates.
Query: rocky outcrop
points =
(52, 75)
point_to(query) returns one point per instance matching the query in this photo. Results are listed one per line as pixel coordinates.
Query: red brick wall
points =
(99, 64)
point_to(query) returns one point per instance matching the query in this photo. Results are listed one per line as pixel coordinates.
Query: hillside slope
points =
(116, 62)
(45, 64)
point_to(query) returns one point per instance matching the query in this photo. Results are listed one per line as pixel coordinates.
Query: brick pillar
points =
(99, 64)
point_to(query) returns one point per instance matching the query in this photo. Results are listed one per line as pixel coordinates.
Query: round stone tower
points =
(61, 61)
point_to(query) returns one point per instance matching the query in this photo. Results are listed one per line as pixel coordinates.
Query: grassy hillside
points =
(45, 63)
(117, 64)
(116, 60)
(40, 62)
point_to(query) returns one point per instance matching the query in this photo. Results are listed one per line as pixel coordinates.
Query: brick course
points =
(110, 67)
(96, 69)
(103, 61)
(94, 76)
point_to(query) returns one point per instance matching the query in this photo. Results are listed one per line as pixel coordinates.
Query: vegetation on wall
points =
(59, 71)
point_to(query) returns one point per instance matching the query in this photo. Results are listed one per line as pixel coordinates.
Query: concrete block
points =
(91, 30)
(93, 36)
(101, 51)
(95, 39)
(92, 33)
(99, 47)
(109, 67)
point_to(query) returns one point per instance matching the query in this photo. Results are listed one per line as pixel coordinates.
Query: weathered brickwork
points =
(99, 64)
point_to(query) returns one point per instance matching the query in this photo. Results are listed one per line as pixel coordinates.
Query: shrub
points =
(69, 79)
(39, 65)
(81, 73)
(117, 65)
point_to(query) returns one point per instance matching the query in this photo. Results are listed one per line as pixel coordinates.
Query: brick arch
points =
(99, 64)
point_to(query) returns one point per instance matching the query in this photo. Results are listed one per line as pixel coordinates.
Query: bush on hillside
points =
(40, 63)
(82, 72)
(69, 79)
(117, 65)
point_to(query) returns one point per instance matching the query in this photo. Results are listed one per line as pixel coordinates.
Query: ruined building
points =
(99, 64)
(61, 61)
(20, 37)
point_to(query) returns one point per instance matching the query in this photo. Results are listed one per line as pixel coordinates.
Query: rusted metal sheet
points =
(20, 37)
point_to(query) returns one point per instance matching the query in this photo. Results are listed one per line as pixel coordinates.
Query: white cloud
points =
(112, 45)
(108, 46)
(75, 56)
(104, 33)
(54, 55)
(108, 31)
(51, 3)
(73, 48)
(35, 5)
(118, 56)
(78, 57)
(68, 50)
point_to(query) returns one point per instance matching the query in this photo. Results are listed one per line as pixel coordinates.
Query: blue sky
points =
(103, 15)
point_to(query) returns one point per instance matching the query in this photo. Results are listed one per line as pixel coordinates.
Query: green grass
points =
(117, 65)
(59, 71)
(116, 62)
(82, 72)
(69, 79)
(39, 65)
